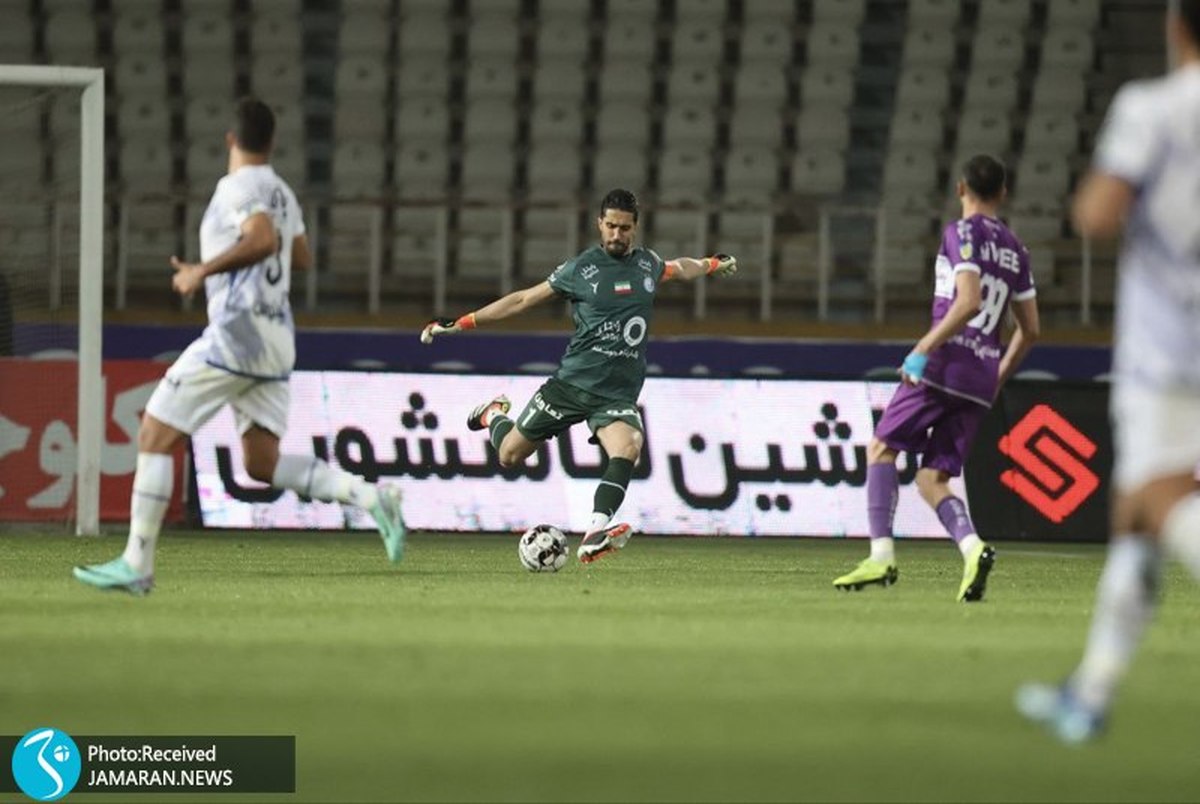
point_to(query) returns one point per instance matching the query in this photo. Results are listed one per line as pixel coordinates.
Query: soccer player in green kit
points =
(611, 287)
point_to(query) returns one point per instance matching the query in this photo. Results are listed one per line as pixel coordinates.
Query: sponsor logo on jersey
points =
(622, 288)
(588, 271)
(645, 264)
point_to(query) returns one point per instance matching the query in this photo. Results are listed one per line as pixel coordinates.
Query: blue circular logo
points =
(46, 764)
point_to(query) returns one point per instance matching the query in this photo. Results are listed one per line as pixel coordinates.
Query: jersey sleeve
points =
(1023, 287)
(959, 242)
(242, 201)
(562, 279)
(300, 228)
(1127, 142)
(660, 265)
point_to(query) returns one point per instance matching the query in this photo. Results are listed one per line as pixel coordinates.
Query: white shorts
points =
(192, 392)
(1156, 434)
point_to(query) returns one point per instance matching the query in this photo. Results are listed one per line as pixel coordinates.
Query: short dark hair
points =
(1189, 12)
(253, 125)
(985, 176)
(619, 199)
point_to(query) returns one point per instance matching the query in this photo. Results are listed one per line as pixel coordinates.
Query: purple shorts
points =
(939, 426)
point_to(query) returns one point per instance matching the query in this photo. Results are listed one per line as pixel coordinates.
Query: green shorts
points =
(557, 406)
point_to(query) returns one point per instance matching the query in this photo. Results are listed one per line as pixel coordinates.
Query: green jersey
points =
(612, 301)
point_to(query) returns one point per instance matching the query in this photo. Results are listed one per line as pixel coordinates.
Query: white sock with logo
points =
(1181, 533)
(315, 478)
(153, 480)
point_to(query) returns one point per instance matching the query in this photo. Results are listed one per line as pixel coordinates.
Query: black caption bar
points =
(174, 764)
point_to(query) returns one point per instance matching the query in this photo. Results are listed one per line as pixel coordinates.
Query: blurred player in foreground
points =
(951, 377)
(1145, 181)
(611, 287)
(250, 236)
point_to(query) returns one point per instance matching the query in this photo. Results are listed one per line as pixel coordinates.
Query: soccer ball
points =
(543, 548)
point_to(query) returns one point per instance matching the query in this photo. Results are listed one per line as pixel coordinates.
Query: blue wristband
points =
(914, 365)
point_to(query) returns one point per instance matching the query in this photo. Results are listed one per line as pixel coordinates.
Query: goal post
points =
(90, 403)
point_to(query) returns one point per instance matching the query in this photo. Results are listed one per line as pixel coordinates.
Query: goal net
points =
(52, 403)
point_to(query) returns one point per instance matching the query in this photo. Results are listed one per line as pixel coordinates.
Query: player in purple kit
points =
(951, 376)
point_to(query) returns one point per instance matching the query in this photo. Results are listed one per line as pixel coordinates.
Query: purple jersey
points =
(967, 365)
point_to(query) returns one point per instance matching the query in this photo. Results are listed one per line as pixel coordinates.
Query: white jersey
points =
(250, 329)
(1151, 140)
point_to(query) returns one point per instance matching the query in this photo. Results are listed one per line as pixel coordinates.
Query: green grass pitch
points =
(679, 670)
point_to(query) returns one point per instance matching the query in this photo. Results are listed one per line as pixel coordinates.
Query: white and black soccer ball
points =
(543, 548)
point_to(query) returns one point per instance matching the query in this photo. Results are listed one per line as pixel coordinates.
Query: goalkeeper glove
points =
(913, 367)
(722, 265)
(446, 326)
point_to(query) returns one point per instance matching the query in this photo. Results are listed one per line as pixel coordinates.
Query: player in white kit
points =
(251, 235)
(1145, 180)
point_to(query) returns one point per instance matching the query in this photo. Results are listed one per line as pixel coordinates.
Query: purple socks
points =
(953, 513)
(883, 487)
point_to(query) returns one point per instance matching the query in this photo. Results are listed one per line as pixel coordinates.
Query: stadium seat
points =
(70, 37)
(842, 12)
(348, 237)
(798, 257)
(1044, 176)
(288, 157)
(981, 130)
(563, 10)
(1006, 13)
(761, 81)
(554, 171)
(208, 56)
(140, 74)
(928, 46)
(360, 117)
(695, 40)
(493, 34)
(487, 171)
(481, 242)
(689, 125)
(559, 79)
(151, 238)
(910, 170)
(1036, 222)
(766, 41)
(1058, 89)
(818, 172)
(490, 120)
(826, 85)
(619, 165)
(16, 38)
(710, 12)
(627, 40)
(358, 169)
(643, 12)
(993, 89)
(1075, 14)
(751, 177)
(558, 121)
(362, 76)
(207, 118)
(627, 81)
(491, 78)
(145, 166)
(421, 169)
(998, 48)
(1064, 47)
(756, 124)
(909, 223)
(364, 31)
(623, 123)
(205, 163)
(679, 233)
(769, 12)
(925, 88)
(550, 237)
(937, 12)
(562, 38)
(414, 241)
(422, 78)
(275, 32)
(139, 28)
(906, 264)
(423, 33)
(498, 9)
(699, 82)
(277, 75)
(1049, 131)
(684, 175)
(833, 45)
(916, 126)
(822, 127)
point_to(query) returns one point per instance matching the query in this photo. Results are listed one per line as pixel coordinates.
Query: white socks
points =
(969, 543)
(315, 478)
(152, 482)
(883, 549)
(1125, 601)
(598, 522)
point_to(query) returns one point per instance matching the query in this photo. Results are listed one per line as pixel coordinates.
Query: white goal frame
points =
(90, 404)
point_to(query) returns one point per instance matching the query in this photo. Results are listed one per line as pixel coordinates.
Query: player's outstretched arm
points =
(967, 298)
(504, 307)
(691, 268)
(1029, 329)
(1102, 204)
(259, 240)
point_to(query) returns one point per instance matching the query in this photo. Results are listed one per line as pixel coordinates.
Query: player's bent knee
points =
(156, 436)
